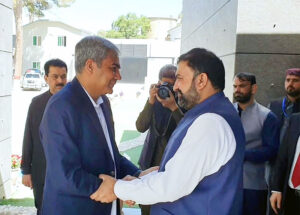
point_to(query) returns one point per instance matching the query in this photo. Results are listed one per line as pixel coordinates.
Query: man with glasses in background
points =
(33, 159)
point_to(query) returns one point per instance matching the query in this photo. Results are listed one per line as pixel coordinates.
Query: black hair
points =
(54, 62)
(204, 61)
(167, 71)
(246, 76)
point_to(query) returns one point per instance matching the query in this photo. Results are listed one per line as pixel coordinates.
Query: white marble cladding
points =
(5, 118)
(6, 73)
(7, 3)
(268, 17)
(6, 16)
(209, 24)
(6, 29)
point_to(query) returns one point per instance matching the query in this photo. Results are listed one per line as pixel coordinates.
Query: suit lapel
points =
(90, 112)
(109, 122)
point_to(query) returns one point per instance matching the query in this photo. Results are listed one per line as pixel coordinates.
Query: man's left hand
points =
(105, 192)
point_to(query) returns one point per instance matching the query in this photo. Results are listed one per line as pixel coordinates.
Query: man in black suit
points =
(33, 159)
(285, 179)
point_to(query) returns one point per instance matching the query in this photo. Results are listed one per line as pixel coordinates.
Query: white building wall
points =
(6, 73)
(49, 32)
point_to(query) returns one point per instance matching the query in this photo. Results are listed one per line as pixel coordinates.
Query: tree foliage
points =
(130, 26)
(35, 8)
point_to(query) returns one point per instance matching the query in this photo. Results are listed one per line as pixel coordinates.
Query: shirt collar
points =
(95, 104)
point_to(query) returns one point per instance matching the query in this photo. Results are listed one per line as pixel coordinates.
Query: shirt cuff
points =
(137, 173)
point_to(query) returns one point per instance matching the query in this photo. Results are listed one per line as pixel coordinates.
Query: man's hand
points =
(147, 171)
(168, 102)
(275, 200)
(26, 180)
(105, 192)
(152, 93)
(129, 178)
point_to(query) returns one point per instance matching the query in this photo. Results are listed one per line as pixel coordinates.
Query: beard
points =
(292, 92)
(189, 99)
(242, 98)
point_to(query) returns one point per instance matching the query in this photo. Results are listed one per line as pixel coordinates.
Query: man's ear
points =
(254, 89)
(201, 81)
(46, 78)
(89, 65)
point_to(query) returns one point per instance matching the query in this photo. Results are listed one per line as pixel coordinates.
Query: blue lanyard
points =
(284, 107)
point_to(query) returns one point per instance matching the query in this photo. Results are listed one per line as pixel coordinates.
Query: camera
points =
(164, 89)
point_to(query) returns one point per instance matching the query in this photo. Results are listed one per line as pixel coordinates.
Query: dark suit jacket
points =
(77, 152)
(155, 142)
(33, 158)
(276, 107)
(285, 158)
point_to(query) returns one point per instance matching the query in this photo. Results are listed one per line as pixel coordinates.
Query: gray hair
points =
(95, 48)
(167, 71)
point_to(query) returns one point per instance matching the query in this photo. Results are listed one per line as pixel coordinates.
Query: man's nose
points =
(118, 76)
(175, 87)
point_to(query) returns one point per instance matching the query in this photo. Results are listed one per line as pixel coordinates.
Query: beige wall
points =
(6, 15)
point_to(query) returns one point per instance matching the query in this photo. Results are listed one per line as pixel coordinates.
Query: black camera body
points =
(164, 89)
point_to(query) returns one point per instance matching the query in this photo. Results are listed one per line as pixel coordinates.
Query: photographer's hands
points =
(152, 93)
(169, 102)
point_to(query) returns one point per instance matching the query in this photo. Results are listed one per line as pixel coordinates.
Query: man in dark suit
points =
(77, 132)
(33, 159)
(285, 179)
(283, 108)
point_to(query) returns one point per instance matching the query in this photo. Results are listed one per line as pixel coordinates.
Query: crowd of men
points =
(202, 155)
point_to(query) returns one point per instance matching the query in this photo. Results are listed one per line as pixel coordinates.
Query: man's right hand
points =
(152, 92)
(275, 200)
(26, 180)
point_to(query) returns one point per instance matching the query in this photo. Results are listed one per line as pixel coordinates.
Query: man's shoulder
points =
(262, 109)
(276, 102)
(43, 96)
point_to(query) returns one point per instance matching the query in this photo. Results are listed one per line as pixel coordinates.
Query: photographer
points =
(161, 116)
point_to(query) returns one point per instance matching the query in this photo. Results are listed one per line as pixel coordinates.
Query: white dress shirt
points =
(297, 152)
(208, 144)
(106, 134)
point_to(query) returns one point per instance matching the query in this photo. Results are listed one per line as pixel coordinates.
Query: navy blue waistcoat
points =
(220, 193)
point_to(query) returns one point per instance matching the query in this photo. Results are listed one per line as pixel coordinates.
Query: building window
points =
(36, 40)
(62, 41)
(36, 65)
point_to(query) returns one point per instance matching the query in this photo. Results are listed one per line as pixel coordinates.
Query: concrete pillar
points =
(6, 73)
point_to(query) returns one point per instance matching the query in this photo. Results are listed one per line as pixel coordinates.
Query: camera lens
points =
(163, 92)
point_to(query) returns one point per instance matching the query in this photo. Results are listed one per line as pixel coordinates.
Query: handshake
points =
(105, 193)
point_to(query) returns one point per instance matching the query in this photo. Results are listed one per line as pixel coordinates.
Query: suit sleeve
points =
(58, 133)
(270, 141)
(280, 168)
(126, 167)
(27, 147)
(144, 119)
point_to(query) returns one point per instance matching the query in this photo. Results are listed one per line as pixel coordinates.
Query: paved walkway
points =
(14, 210)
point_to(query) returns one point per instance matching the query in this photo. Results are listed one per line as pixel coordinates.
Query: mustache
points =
(59, 85)
(179, 92)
